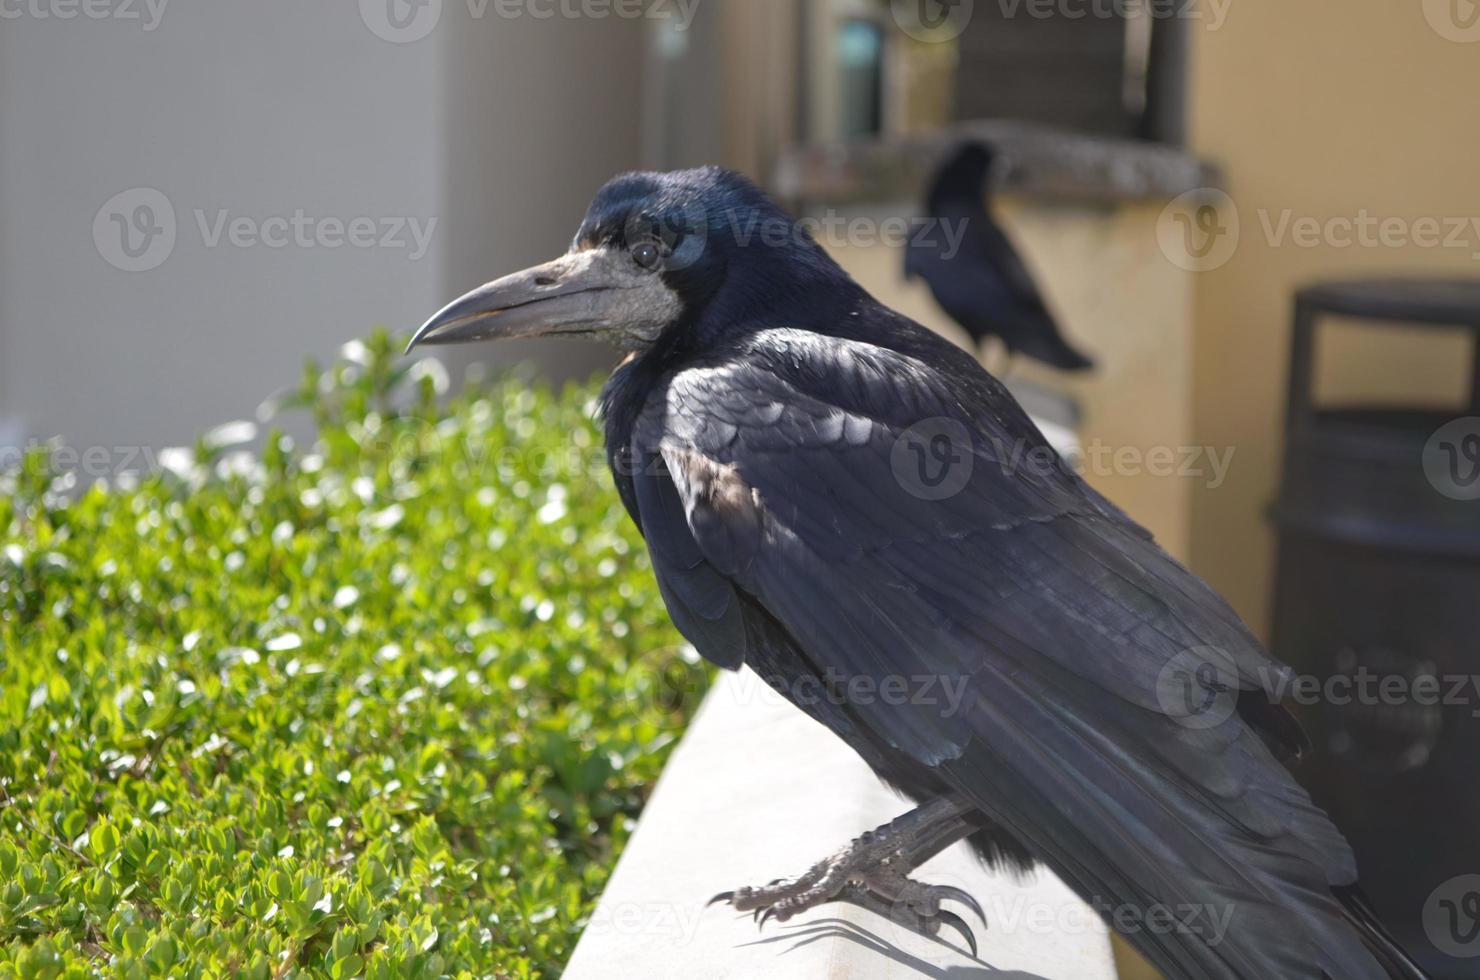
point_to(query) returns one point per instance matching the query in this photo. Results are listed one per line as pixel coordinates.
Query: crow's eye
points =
(647, 255)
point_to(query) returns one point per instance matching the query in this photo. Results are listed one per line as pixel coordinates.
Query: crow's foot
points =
(873, 872)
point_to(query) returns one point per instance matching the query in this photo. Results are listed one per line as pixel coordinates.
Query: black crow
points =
(982, 282)
(850, 505)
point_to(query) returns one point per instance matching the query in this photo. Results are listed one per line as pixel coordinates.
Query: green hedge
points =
(385, 707)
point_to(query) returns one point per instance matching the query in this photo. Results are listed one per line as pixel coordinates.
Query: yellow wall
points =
(1322, 108)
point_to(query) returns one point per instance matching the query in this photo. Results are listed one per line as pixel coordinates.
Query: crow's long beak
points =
(567, 296)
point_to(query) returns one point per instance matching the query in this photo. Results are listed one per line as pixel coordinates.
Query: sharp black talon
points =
(721, 897)
(951, 891)
(959, 924)
(764, 916)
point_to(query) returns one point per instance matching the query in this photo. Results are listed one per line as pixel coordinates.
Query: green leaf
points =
(103, 841)
(135, 938)
(348, 966)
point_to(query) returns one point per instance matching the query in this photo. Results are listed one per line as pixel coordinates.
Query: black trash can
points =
(1377, 604)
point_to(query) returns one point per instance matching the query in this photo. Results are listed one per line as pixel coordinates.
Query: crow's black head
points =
(962, 176)
(693, 251)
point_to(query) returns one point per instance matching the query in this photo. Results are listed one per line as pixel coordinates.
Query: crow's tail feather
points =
(1379, 941)
(1051, 348)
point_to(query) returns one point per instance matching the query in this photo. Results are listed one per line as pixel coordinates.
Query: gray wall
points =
(538, 121)
(498, 129)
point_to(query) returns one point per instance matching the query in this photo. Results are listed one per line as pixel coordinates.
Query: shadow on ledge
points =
(805, 934)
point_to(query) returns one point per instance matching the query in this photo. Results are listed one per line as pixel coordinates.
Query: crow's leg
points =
(873, 872)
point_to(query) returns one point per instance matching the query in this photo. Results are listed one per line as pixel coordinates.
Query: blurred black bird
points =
(849, 504)
(982, 282)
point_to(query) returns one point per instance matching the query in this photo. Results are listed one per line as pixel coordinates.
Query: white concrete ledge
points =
(757, 790)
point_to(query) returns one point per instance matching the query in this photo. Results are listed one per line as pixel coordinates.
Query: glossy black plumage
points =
(983, 284)
(765, 443)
